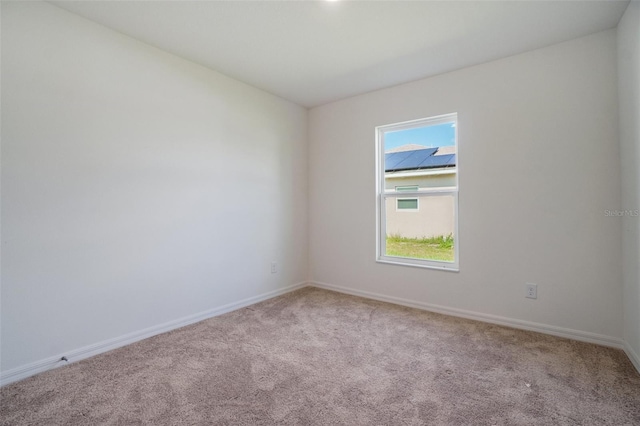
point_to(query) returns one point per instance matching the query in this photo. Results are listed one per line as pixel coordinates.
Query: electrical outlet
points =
(274, 267)
(531, 291)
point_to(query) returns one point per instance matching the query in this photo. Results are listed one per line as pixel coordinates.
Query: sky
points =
(431, 136)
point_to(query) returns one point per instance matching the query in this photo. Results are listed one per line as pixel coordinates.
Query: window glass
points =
(417, 205)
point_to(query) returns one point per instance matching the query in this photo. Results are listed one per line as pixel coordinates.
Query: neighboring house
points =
(412, 167)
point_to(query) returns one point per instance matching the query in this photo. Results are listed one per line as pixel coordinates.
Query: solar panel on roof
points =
(438, 161)
(393, 159)
(407, 160)
(417, 157)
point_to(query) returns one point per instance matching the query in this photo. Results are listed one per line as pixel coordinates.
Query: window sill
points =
(407, 262)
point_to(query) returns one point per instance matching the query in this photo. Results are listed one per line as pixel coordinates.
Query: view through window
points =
(418, 192)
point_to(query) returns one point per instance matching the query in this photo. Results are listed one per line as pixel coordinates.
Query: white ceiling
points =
(314, 52)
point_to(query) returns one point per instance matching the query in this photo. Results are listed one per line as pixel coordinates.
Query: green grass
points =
(435, 248)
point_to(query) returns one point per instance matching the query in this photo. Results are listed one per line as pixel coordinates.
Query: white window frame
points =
(383, 194)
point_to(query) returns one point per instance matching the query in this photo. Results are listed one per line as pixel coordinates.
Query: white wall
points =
(629, 93)
(137, 188)
(547, 119)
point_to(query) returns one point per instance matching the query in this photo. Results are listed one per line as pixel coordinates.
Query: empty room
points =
(320, 212)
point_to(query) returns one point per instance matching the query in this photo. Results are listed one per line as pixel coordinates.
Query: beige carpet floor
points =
(314, 357)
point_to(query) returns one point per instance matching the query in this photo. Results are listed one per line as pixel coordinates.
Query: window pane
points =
(406, 188)
(417, 183)
(407, 203)
(427, 233)
(420, 157)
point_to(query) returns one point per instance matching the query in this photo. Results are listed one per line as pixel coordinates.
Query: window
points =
(410, 204)
(407, 204)
(417, 191)
(407, 188)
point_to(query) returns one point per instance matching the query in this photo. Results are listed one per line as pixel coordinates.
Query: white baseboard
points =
(28, 370)
(568, 333)
(633, 356)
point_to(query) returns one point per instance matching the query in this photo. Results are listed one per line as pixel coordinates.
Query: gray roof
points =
(417, 159)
